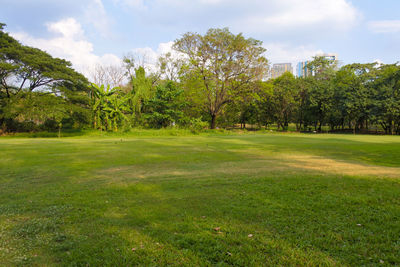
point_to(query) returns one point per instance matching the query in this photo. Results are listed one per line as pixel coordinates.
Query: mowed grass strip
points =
(245, 200)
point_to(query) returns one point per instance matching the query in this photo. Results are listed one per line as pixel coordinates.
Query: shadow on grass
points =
(370, 151)
(294, 221)
(83, 215)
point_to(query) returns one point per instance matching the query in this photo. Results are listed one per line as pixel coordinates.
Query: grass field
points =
(241, 199)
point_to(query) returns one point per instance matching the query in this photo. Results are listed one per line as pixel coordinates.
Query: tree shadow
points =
(88, 216)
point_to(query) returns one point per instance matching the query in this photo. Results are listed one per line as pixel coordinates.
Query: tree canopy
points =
(217, 78)
(27, 68)
(223, 63)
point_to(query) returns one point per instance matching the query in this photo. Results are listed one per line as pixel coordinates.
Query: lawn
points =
(200, 200)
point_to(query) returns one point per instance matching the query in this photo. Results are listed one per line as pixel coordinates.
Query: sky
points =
(91, 32)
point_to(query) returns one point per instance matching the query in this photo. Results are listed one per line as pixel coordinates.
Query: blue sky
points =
(89, 32)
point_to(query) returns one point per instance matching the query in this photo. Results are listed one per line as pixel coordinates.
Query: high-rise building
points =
(280, 68)
(303, 70)
(330, 57)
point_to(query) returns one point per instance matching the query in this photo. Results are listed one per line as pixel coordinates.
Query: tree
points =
(170, 67)
(284, 99)
(223, 64)
(350, 97)
(301, 99)
(100, 106)
(321, 92)
(114, 75)
(39, 109)
(23, 67)
(142, 90)
(386, 98)
(29, 76)
(134, 62)
(166, 106)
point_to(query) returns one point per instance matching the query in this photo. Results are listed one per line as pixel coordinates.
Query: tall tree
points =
(350, 97)
(284, 99)
(165, 108)
(114, 75)
(23, 67)
(170, 67)
(321, 93)
(223, 63)
(386, 98)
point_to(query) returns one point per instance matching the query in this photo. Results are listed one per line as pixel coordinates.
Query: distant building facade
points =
(333, 58)
(330, 57)
(303, 70)
(280, 68)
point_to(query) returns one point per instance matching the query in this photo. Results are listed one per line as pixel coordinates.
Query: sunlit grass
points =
(210, 199)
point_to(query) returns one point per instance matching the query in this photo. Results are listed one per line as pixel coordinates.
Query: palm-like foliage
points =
(109, 107)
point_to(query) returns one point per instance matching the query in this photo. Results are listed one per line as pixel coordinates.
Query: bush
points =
(197, 125)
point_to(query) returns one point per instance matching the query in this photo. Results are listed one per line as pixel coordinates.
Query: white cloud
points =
(338, 12)
(70, 44)
(96, 14)
(285, 53)
(149, 57)
(137, 4)
(293, 14)
(68, 28)
(253, 16)
(384, 26)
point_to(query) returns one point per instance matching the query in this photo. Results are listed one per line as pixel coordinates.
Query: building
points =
(302, 70)
(330, 57)
(333, 58)
(280, 68)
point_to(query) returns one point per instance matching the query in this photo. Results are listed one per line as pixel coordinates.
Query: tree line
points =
(218, 79)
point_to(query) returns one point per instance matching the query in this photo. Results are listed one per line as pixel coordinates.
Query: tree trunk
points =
(213, 121)
(59, 129)
(392, 127)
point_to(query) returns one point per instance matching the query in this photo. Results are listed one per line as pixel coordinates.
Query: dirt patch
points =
(327, 165)
(251, 165)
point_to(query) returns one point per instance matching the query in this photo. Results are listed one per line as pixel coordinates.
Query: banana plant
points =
(102, 105)
(117, 108)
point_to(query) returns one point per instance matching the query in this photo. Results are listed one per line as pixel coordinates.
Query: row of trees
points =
(355, 97)
(217, 79)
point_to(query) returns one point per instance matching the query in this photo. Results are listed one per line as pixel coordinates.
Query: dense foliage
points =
(38, 91)
(218, 78)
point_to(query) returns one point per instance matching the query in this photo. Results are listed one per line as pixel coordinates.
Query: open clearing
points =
(246, 200)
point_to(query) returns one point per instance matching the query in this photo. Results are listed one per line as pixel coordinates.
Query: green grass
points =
(328, 200)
